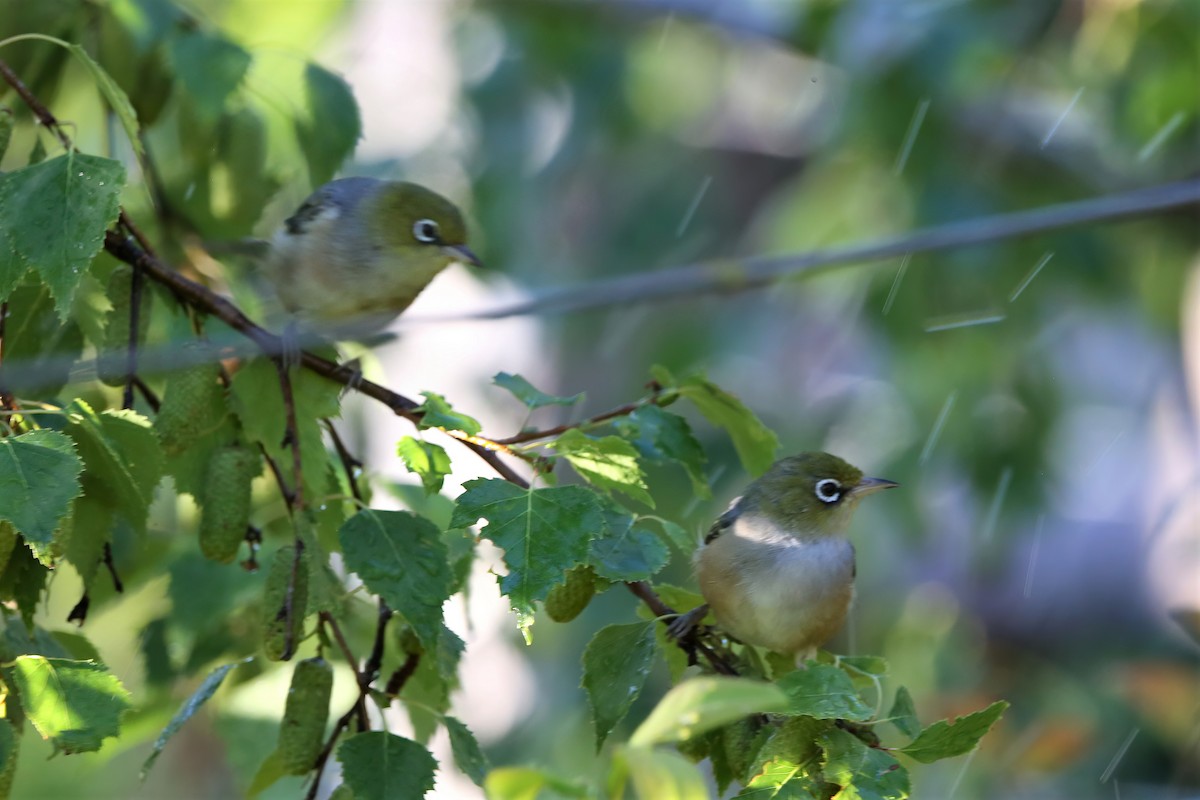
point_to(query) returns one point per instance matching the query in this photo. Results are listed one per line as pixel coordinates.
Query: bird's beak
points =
(871, 485)
(462, 253)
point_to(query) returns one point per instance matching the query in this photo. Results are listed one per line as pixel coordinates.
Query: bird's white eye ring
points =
(425, 230)
(828, 490)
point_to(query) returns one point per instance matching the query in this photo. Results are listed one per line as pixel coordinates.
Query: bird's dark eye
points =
(425, 230)
(828, 490)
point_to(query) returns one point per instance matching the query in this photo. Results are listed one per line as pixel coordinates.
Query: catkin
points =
(567, 600)
(225, 501)
(302, 729)
(275, 606)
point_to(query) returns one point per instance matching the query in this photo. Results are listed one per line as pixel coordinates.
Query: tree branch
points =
(729, 276)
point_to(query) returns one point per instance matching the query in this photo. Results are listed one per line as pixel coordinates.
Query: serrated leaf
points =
(437, 413)
(864, 773)
(756, 444)
(543, 532)
(904, 714)
(325, 146)
(701, 704)
(23, 579)
(824, 692)
(623, 552)
(54, 215)
(383, 766)
(662, 436)
(616, 663)
(426, 695)
(121, 452)
(663, 775)
(208, 67)
(118, 101)
(790, 762)
(467, 755)
(189, 708)
(946, 739)
(39, 477)
(534, 398)
(609, 462)
(74, 704)
(427, 460)
(401, 557)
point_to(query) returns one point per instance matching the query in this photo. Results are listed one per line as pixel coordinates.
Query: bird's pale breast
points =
(775, 590)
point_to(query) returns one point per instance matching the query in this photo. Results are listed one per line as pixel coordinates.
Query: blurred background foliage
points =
(1041, 419)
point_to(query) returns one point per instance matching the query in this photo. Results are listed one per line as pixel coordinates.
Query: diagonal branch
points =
(753, 272)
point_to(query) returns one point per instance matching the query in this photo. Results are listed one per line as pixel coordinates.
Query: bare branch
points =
(729, 276)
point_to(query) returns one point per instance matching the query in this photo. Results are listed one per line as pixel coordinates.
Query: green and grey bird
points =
(358, 251)
(777, 569)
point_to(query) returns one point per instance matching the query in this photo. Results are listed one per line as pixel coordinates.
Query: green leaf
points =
(663, 775)
(467, 755)
(23, 580)
(524, 391)
(701, 704)
(270, 771)
(39, 477)
(543, 532)
(401, 557)
(330, 127)
(209, 68)
(39, 348)
(426, 695)
(824, 692)
(74, 704)
(755, 443)
(55, 214)
(258, 400)
(869, 666)
(437, 413)
(427, 460)
(609, 462)
(904, 714)
(383, 766)
(790, 762)
(118, 101)
(615, 666)
(676, 534)
(864, 773)
(193, 704)
(527, 783)
(662, 436)
(623, 552)
(121, 452)
(947, 739)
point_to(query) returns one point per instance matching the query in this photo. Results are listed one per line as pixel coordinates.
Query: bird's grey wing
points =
(328, 202)
(725, 521)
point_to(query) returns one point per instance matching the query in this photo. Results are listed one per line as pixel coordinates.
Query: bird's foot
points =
(684, 626)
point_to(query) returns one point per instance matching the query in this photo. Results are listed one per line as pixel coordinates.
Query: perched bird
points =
(776, 568)
(358, 251)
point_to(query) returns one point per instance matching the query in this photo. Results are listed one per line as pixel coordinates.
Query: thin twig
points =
(620, 411)
(135, 303)
(349, 463)
(730, 276)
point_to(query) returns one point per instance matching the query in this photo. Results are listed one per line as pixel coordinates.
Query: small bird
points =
(358, 251)
(776, 568)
